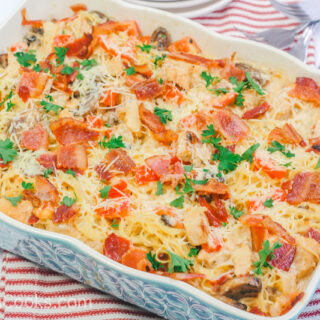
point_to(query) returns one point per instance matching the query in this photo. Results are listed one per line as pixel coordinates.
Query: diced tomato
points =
(64, 213)
(118, 208)
(115, 247)
(94, 122)
(48, 160)
(35, 139)
(195, 120)
(144, 175)
(26, 22)
(145, 39)
(72, 156)
(257, 112)
(314, 234)
(61, 40)
(136, 258)
(262, 160)
(283, 256)
(186, 44)
(33, 219)
(119, 190)
(19, 47)
(110, 98)
(173, 93)
(306, 89)
(78, 7)
(258, 236)
(2, 164)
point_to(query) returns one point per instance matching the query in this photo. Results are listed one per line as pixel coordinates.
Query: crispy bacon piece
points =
(256, 112)
(158, 129)
(283, 256)
(48, 160)
(118, 208)
(33, 219)
(258, 236)
(64, 213)
(136, 258)
(230, 70)
(315, 145)
(194, 59)
(78, 7)
(263, 221)
(287, 135)
(195, 120)
(35, 139)
(31, 85)
(120, 160)
(314, 234)
(69, 130)
(144, 175)
(115, 247)
(186, 45)
(230, 126)
(214, 188)
(306, 89)
(45, 191)
(215, 214)
(148, 89)
(305, 187)
(103, 172)
(33, 23)
(80, 47)
(130, 26)
(222, 100)
(72, 156)
(29, 195)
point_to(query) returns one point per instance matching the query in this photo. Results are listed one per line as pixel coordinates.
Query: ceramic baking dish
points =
(168, 298)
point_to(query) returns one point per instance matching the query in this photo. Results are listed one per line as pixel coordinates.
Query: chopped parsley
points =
(159, 188)
(14, 200)
(69, 171)
(152, 258)
(89, 63)
(49, 106)
(8, 97)
(224, 224)
(37, 68)
(47, 172)
(208, 78)
(25, 58)
(80, 76)
(130, 71)
(194, 252)
(178, 203)
(113, 143)
(187, 186)
(27, 186)
(69, 201)
(163, 114)
(10, 105)
(67, 70)
(104, 193)
(277, 146)
(268, 203)
(7, 152)
(288, 164)
(204, 181)
(265, 254)
(235, 212)
(228, 160)
(188, 168)
(318, 164)
(248, 154)
(61, 54)
(145, 48)
(253, 84)
(115, 224)
(159, 59)
(209, 131)
(179, 264)
(219, 91)
(160, 81)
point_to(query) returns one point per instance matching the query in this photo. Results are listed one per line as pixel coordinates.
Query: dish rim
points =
(185, 288)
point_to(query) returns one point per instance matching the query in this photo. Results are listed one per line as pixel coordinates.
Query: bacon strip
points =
(69, 130)
(72, 156)
(80, 47)
(215, 214)
(314, 234)
(286, 135)
(35, 139)
(305, 187)
(120, 160)
(230, 126)
(213, 187)
(306, 89)
(256, 112)
(48, 160)
(148, 89)
(45, 191)
(64, 213)
(115, 247)
(283, 257)
(194, 59)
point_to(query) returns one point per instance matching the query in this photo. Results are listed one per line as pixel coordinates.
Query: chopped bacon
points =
(64, 213)
(195, 120)
(315, 145)
(186, 45)
(158, 129)
(230, 70)
(103, 172)
(258, 236)
(115, 247)
(48, 160)
(110, 98)
(195, 59)
(164, 165)
(33, 219)
(120, 160)
(72, 156)
(314, 234)
(61, 40)
(262, 160)
(29, 195)
(45, 191)
(305, 187)
(118, 208)
(35, 139)
(256, 112)
(173, 93)
(230, 126)
(69, 130)
(144, 175)
(213, 187)
(222, 100)
(306, 89)
(33, 23)
(31, 85)
(94, 122)
(263, 221)
(78, 7)
(287, 135)
(148, 89)
(80, 47)
(136, 258)
(215, 214)
(283, 256)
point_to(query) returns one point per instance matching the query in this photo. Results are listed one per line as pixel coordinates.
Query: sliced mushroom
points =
(3, 60)
(101, 15)
(162, 38)
(38, 31)
(231, 302)
(167, 220)
(255, 73)
(241, 287)
(30, 38)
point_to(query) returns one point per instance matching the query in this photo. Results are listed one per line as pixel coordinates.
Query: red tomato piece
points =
(118, 208)
(144, 175)
(115, 247)
(61, 40)
(119, 190)
(94, 122)
(174, 94)
(258, 236)
(78, 7)
(110, 98)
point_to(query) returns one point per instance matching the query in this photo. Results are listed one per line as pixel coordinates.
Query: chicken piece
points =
(179, 73)
(21, 212)
(131, 116)
(185, 145)
(241, 258)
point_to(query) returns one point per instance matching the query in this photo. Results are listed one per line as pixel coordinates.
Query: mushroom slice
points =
(255, 73)
(162, 38)
(3, 60)
(241, 287)
(231, 302)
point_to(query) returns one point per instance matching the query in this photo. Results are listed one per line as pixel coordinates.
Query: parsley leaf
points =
(47, 172)
(193, 252)
(27, 186)
(265, 254)
(205, 181)
(248, 154)
(61, 54)
(235, 212)
(239, 86)
(188, 168)
(159, 59)
(67, 70)
(228, 160)
(7, 152)
(14, 200)
(208, 132)
(69, 201)
(277, 146)
(318, 164)
(179, 264)
(253, 84)
(268, 203)
(8, 97)
(152, 258)
(178, 203)
(89, 63)
(25, 58)
(113, 143)
(145, 48)
(115, 224)
(163, 114)
(187, 186)
(130, 71)
(288, 164)
(37, 68)
(69, 171)
(219, 91)
(104, 193)
(160, 81)
(208, 78)
(159, 188)
(49, 106)
(10, 105)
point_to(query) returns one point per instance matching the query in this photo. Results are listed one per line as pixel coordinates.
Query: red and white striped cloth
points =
(28, 291)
